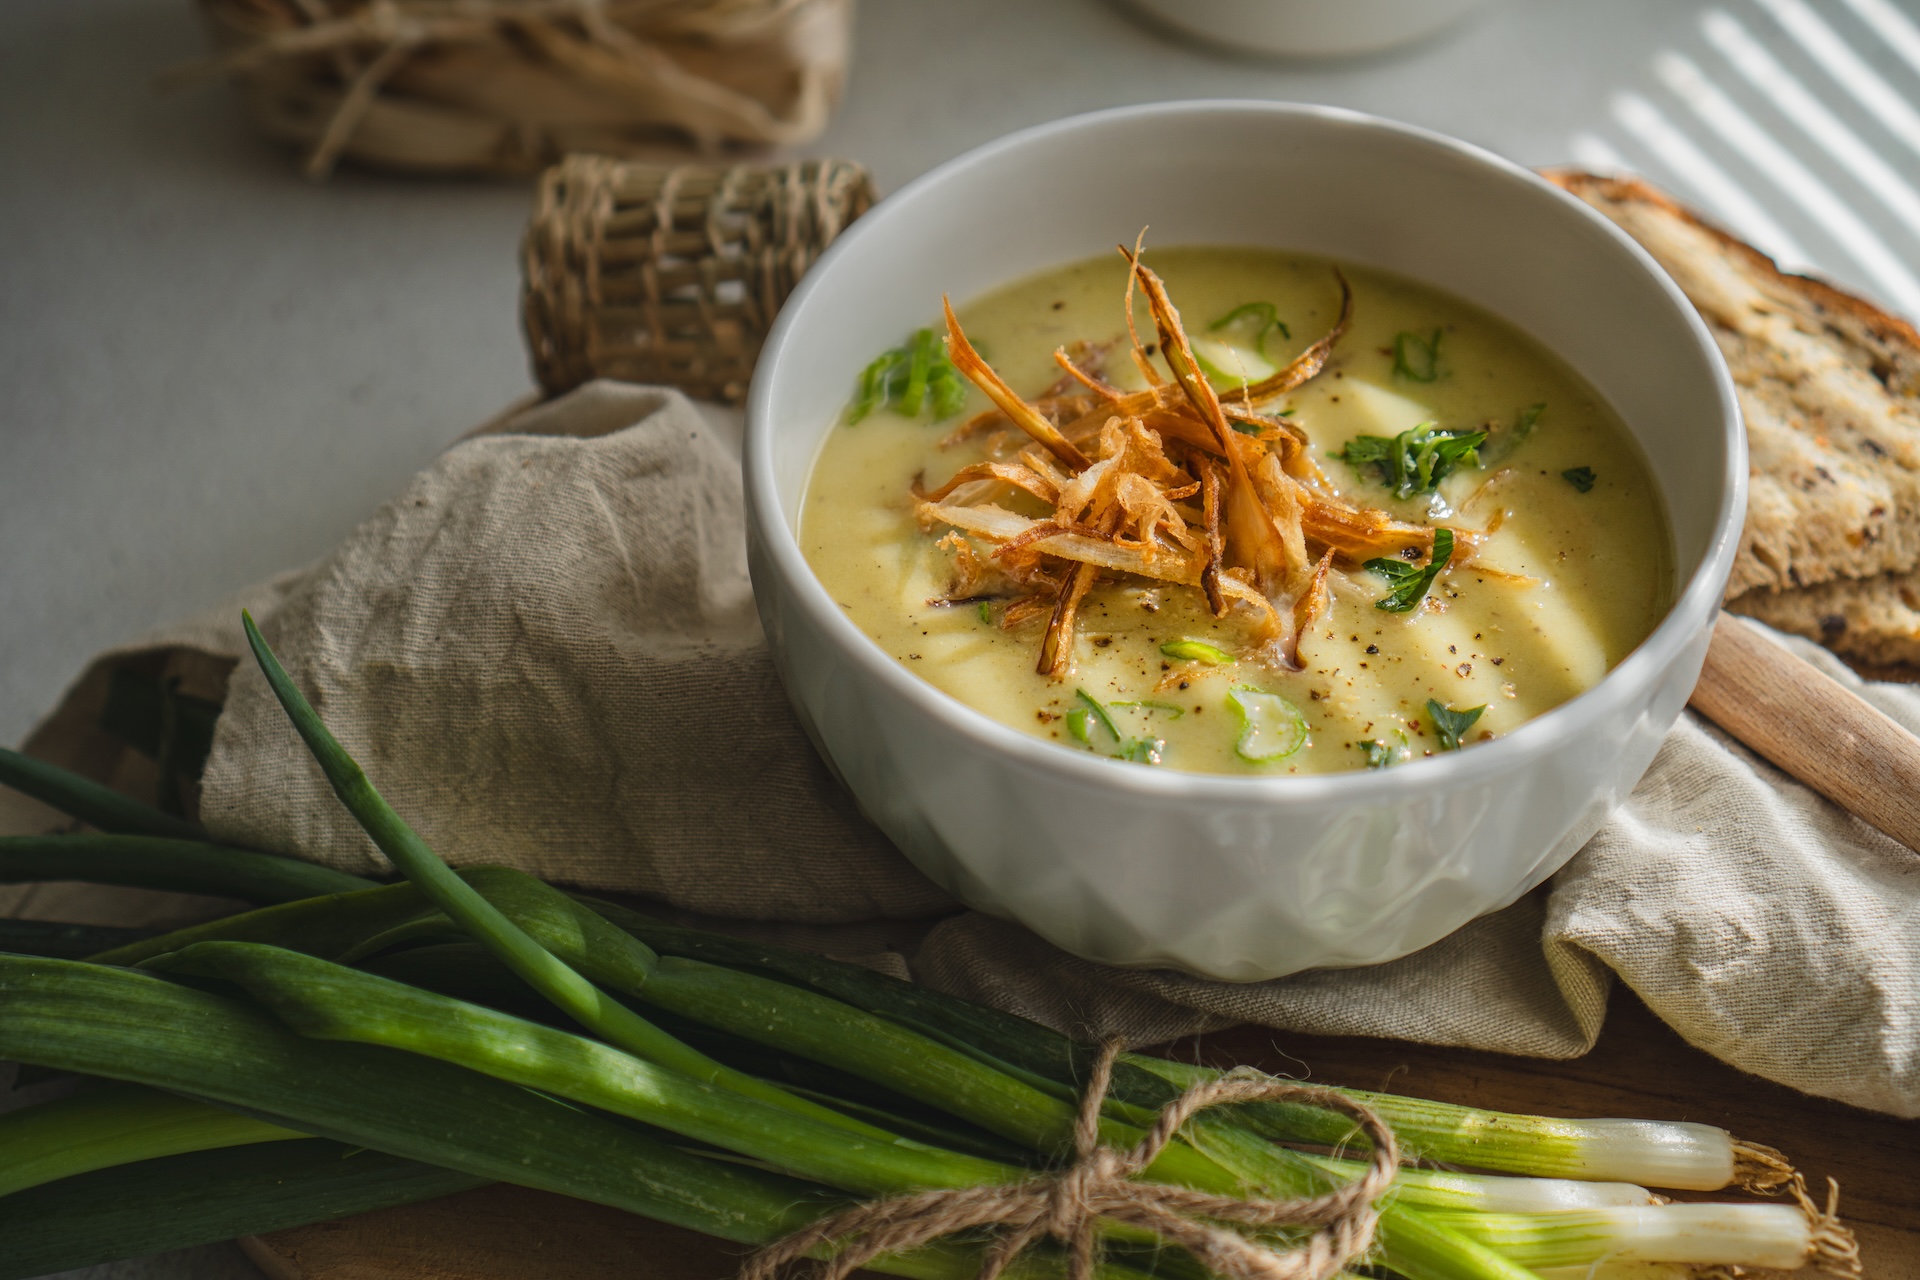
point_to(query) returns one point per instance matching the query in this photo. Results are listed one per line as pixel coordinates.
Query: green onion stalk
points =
(1494, 1193)
(325, 1001)
(1744, 1235)
(176, 1202)
(1676, 1155)
(96, 805)
(116, 1124)
(161, 862)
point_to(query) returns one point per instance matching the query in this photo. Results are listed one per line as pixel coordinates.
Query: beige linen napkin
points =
(544, 651)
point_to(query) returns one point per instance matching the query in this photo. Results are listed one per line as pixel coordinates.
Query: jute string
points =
(1099, 1186)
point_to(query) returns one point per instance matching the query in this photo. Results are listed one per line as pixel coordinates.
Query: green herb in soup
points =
(1139, 544)
(1449, 725)
(1416, 460)
(1415, 358)
(1409, 582)
(907, 378)
(1380, 755)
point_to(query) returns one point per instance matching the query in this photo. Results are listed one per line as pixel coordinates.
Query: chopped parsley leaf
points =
(1581, 478)
(1416, 460)
(1449, 724)
(1408, 583)
(1379, 754)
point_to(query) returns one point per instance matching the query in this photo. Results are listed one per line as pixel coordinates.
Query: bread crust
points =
(1872, 621)
(1828, 383)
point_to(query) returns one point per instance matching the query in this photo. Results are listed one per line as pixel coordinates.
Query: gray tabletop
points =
(213, 368)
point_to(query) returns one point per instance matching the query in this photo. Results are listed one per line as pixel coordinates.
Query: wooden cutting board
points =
(1639, 1068)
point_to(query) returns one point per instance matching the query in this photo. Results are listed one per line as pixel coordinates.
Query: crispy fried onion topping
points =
(1168, 483)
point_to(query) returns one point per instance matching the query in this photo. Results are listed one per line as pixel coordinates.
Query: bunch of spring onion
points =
(352, 1045)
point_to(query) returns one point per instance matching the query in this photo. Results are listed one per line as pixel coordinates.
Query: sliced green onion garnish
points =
(919, 364)
(872, 392)
(1196, 651)
(1081, 719)
(1091, 707)
(1230, 365)
(1271, 728)
(1255, 318)
(949, 392)
(1527, 419)
(1415, 358)
(906, 378)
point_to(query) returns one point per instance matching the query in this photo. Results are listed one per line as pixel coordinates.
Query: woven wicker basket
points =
(510, 86)
(672, 275)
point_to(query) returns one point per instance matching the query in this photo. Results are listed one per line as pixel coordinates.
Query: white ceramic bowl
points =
(1234, 877)
(1310, 28)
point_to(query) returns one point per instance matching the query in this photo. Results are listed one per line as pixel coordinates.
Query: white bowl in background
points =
(1310, 28)
(1239, 878)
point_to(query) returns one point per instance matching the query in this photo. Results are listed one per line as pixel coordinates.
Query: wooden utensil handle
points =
(1812, 726)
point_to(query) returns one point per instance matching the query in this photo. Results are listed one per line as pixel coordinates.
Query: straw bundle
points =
(672, 275)
(509, 86)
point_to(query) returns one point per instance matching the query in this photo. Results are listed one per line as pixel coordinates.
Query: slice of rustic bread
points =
(1830, 387)
(1871, 620)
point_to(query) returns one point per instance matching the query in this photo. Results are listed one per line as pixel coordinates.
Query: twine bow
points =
(1099, 1185)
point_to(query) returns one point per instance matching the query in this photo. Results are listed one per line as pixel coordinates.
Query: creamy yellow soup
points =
(1576, 571)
